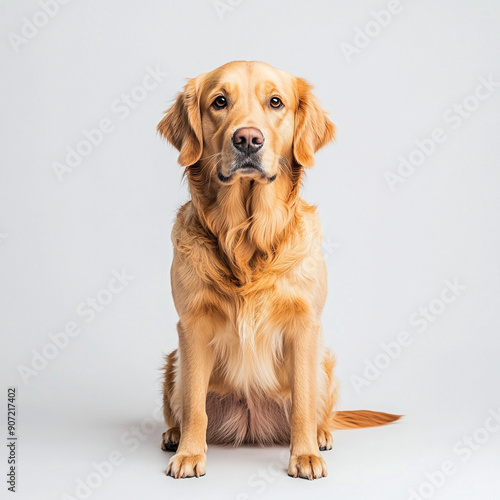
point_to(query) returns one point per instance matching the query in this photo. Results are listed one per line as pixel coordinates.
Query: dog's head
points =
(246, 119)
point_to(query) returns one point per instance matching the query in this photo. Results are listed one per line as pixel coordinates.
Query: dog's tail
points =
(358, 419)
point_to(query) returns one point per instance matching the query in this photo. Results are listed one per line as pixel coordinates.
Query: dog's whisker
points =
(283, 163)
(212, 172)
(210, 156)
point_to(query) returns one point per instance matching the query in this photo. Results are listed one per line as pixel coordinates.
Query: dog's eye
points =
(219, 102)
(275, 103)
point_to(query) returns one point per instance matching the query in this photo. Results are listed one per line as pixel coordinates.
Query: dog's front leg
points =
(196, 362)
(302, 364)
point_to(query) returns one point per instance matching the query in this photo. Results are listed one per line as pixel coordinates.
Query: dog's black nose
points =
(248, 140)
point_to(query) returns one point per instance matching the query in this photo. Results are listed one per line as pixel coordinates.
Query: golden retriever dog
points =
(248, 276)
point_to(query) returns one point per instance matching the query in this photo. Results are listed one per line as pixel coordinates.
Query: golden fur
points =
(248, 275)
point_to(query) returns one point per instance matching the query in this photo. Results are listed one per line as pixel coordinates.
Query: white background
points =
(389, 253)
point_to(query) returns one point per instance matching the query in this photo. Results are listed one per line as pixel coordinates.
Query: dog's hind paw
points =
(325, 440)
(170, 439)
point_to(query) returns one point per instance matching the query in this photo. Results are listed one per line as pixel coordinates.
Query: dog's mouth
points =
(245, 167)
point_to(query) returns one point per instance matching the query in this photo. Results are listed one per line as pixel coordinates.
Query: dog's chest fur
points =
(249, 350)
(249, 340)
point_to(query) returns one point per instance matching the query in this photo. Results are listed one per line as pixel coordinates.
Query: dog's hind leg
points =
(171, 437)
(328, 397)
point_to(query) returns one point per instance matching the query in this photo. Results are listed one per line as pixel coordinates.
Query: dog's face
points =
(246, 119)
(248, 112)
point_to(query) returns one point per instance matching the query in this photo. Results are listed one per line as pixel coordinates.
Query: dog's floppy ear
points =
(313, 129)
(181, 125)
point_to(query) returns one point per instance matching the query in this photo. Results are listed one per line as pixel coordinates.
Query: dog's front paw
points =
(307, 466)
(184, 465)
